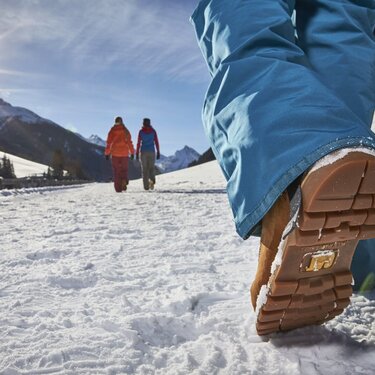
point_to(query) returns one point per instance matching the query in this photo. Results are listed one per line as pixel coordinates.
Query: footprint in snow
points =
(83, 282)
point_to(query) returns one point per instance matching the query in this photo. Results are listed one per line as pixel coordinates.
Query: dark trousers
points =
(120, 172)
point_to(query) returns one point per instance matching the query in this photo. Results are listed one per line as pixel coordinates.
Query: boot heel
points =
(312, 282)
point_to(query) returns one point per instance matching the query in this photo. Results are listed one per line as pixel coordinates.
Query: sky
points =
(80, 63)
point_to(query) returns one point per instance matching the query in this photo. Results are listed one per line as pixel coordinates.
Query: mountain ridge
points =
(8, 111)
(40, 141)
(179, 160)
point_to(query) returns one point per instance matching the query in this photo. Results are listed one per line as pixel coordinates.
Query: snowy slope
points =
(94, 282)
(181, 159)
(93, 139)
(7, 110)
(25, 168)
(96, 140)
(22, 132)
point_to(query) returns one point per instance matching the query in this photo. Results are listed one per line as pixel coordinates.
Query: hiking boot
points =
(124, 185)
(151, 184)
(273, 225)
(303, 274)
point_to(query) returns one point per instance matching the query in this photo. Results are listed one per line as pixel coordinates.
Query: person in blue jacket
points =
(293, 88)
(147, 142)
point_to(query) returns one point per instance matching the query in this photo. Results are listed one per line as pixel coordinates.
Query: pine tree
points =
(57, 165)
(49, 173)
(80, 174)
(11, 169)
(6, 168)
(75, 170)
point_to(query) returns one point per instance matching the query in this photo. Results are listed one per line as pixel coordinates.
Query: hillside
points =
(25, 168)
(29, 136)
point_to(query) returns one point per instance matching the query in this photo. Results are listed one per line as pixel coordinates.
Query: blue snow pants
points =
(284, 94)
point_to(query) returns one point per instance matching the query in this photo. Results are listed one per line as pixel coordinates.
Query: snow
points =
(93, 139)
(94, 282)
(7, 110)
(36, 190)
(96, 140)
(24, 167)
(180, 160)
(262, 298)
(337, 155)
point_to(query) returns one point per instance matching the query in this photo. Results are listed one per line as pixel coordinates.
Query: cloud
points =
(4, 93)
(8, 92)
(21, 74)
(148, 37)
(11, 72)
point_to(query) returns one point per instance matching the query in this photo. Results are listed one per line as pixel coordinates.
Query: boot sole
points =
(312, 282)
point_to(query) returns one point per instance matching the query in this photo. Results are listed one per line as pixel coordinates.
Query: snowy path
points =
(149, 283)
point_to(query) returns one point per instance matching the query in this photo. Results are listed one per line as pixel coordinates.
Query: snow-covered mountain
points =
(181, 159)
(29, 136)
(24, 167)
(96, 140)
(93, 139)
(7, 111)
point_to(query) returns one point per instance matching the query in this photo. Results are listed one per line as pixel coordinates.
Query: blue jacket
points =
(147, 140)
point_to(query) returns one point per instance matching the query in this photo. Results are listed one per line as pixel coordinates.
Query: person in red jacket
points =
(120, 147)
(147, 141)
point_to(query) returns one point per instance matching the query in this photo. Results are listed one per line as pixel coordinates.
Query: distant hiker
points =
(147, 140)
(120, 147)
